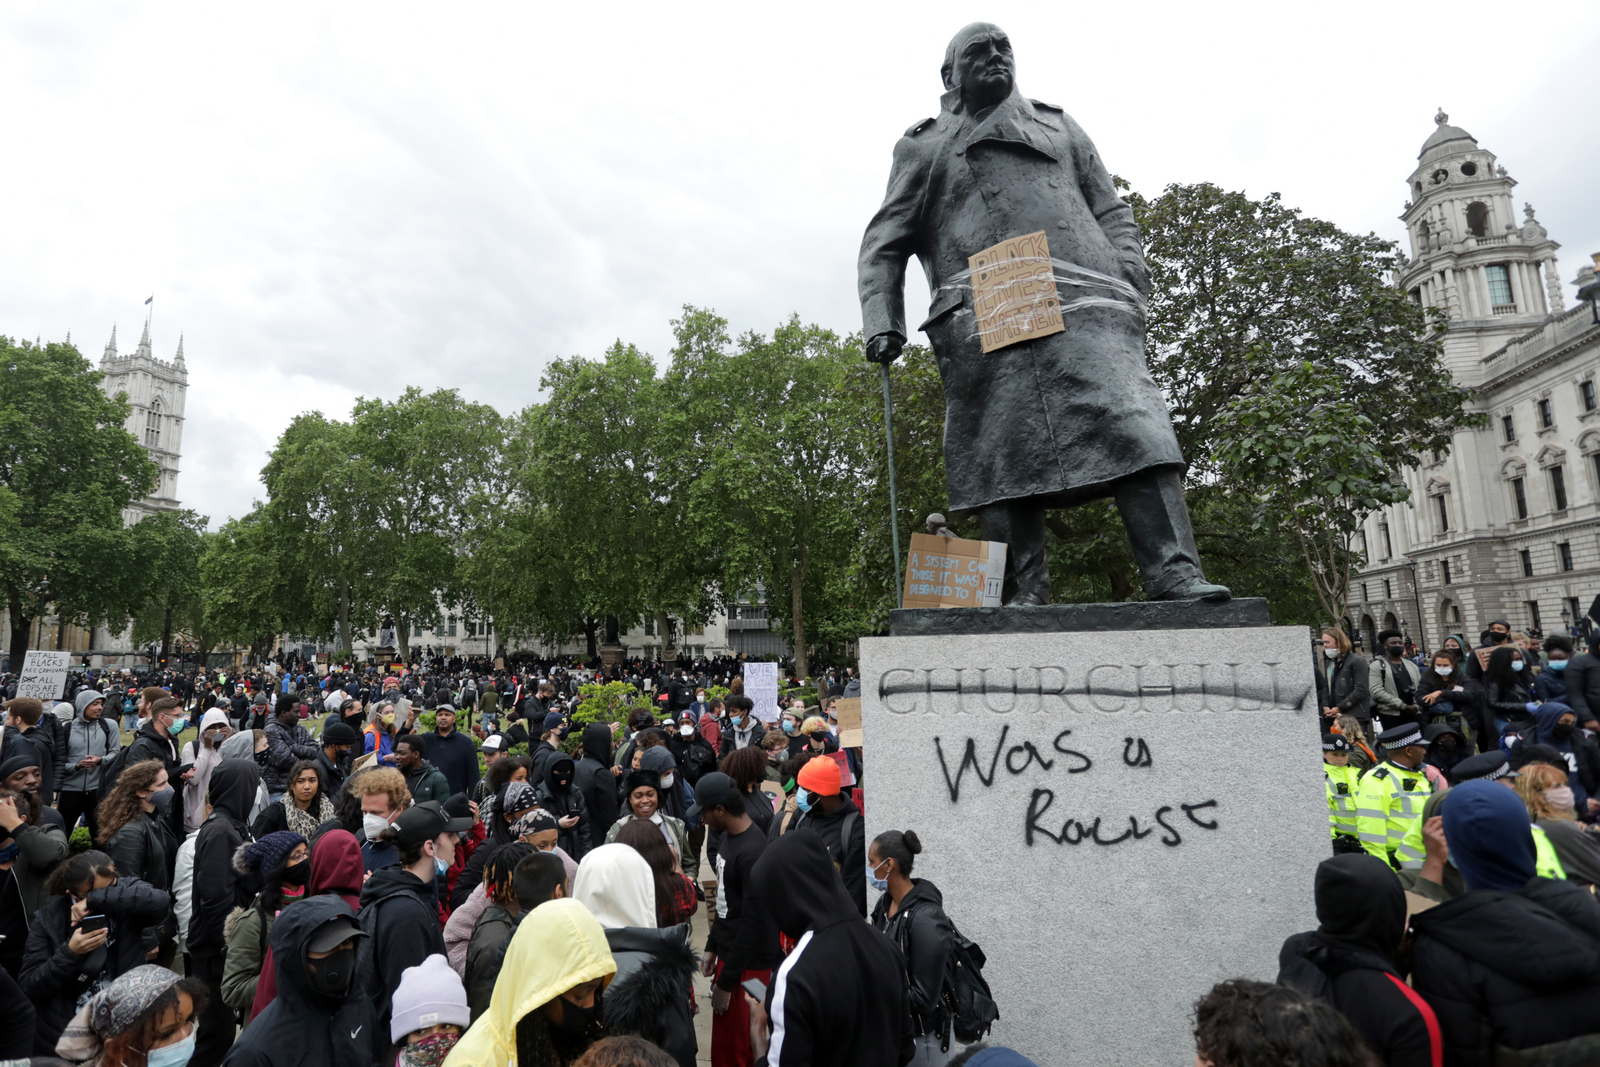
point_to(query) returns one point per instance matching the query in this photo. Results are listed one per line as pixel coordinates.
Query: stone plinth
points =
(1063, 618)
(1120, 818)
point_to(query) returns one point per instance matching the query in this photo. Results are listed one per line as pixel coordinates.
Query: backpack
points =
(111, 771)
(966, 995)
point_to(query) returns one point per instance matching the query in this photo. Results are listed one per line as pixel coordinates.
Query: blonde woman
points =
(1549, 800)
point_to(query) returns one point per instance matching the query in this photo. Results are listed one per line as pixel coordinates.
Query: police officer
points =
(1342, 781)
(1391, 795)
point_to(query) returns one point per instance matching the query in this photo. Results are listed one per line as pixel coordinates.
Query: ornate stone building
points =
(156, 392)
(1506, 525)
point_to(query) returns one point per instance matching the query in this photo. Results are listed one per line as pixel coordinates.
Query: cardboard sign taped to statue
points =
(952, 572)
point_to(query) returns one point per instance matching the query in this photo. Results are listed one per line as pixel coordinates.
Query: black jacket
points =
(50, 738)
(925, 936)
(1583, 686)
(146, 849)
(562, 802)
(1349, 960)
(593, 778)
(218, 888)
(1350, 694)
(1504, 703)
(148, 744)
(400, 913)
(54, 977)
(486, 954)
(693, 755)
(1517, 970)
(844, 832)
(840, 997)
(650, 996)
(303, 1028)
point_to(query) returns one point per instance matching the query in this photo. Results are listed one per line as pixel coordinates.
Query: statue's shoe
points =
(1027, 600)
(1198, 589)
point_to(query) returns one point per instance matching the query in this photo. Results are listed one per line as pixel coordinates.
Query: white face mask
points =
(1331, 653)
(1516, 664)
(686, 731)
(373, 825)
(1444, 672)
(667, 779)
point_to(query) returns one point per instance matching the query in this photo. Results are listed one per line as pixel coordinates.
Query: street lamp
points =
(1566, 615)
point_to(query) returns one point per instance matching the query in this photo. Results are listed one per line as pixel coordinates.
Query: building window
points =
(1443, 507)
(1455, 614)
(1547, 417)
(1477, 216)
(1388, 590)
(1388, 548)
(1573, 611)
(1500, 290)
(1558, 487)
(1586, 390)
(650, 625)
(1519, 493)
(1527, 563)
(1533, 614)
(1365, 596)
(152, 426)
(472, 628)
(1510, 428)
(1564, 551)
(416, 630)
(451, 624)
(1444, 568)
(1597, 466)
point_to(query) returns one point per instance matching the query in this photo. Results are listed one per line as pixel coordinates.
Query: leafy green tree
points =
(169, 546)
(68, 468)
(250, 591)
(781, 463)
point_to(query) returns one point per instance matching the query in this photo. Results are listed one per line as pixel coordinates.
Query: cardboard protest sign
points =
(951, 572)
(848, 711)
(44, 675)
(1483, 655)
(1014, 292)
(761, 686)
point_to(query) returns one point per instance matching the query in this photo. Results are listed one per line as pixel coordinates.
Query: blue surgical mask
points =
(788, 726)
(880, 884)
(1516, 665)
(802, 800)
(440, 866)
(174, 1055)
(177, 727)
(1558, 664)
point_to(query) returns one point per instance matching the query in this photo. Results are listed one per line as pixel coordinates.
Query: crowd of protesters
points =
(447, 865)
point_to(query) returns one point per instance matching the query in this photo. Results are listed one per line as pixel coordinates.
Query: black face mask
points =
(574, 1018)
(331, 975)
(562, 783)
(1561, 731)
(299, 874)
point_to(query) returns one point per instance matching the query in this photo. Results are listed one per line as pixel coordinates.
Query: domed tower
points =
(1492, 274)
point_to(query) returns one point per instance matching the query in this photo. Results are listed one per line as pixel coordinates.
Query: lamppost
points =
(1565, 616)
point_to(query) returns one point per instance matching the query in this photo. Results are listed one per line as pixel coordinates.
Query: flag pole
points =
(894, 505)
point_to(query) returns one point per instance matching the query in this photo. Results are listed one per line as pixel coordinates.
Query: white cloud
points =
(340, 202)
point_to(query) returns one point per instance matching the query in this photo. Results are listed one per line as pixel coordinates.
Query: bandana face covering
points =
(429, 1052)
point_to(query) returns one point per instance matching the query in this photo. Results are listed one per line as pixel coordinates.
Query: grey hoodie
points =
(87, 738)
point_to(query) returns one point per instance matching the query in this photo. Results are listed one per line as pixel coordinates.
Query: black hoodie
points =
(1516, 969)
(650, 995)
(844, 831)
(400, 913)
(593, 778)
(218, 888)
(559, 795)
(840, 997)
(1349, 960)
(301, 1027)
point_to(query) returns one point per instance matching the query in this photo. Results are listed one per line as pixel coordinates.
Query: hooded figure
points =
(1349, 960)
(320, 1017)
(650, 995)
(1515, 961)
(217, 890)
(336, 870)
(205, 756)
(1447, 746)
(557, 946)
(840, 997)
(593, 778)
(84, 738)
(559, 798)
(1579, 757)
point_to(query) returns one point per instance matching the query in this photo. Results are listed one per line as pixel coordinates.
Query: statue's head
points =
(978, 61)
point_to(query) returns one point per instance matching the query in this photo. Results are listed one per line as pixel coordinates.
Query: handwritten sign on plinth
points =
(1014, 292)
(951, 572)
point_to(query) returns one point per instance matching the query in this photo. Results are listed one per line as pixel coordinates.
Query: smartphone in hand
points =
(756, 988)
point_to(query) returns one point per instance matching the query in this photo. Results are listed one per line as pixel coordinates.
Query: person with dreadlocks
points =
(495, 924)
(511, 802)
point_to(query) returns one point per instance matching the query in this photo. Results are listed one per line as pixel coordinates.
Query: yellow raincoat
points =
(557, 945)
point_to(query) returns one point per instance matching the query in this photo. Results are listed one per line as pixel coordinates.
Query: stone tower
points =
(1492, 273)
(156, 390)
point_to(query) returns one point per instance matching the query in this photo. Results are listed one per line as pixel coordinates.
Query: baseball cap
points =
(493, 743)
(336, 931)
(716, 790)
(426, 821)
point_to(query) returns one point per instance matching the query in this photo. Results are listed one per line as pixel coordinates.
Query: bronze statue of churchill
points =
(1056, 420)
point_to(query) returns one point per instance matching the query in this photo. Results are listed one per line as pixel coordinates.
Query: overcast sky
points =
(331, 201)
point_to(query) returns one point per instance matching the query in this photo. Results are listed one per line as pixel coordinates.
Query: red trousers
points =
(730, 1031)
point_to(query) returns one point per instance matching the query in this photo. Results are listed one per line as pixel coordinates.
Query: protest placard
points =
(1014, 292)
(951, 572)
(848, 712)
(44, 675)
(761, 686)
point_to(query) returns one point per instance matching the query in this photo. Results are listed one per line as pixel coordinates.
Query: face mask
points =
(668, 779)
(880, 884)
(388, 718)
(1444, 672)
(1561, 731)
(738, 722)
(686, 731)
(1558, 664)
(331, 976)
(1516, 664)
(177, 727)
(161, 797)
(175, 1055)
(440, 867)
(802, 800)
(1560, 797)
(1331, 653)
(373, 825)
(573, 1018)
(788, 727)
(298, 874)
(428, 1052)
